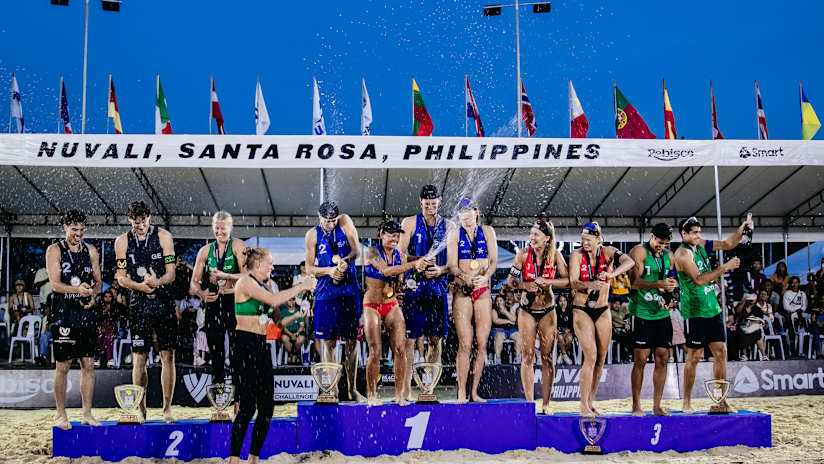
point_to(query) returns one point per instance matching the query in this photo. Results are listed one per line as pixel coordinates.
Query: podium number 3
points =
(657, 436)
(418, 424)
(176, 437)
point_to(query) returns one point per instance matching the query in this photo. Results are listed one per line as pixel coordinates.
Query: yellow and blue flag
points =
(809, 121)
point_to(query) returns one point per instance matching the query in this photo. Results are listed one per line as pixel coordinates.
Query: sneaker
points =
(762, 357)
(97, 364)
(110, 364)
(128, 359)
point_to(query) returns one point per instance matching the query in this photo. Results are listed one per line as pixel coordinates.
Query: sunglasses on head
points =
(591, 229)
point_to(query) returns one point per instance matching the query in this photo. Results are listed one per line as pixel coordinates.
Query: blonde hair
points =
(598, 228)
(254, 256)
(222, 216)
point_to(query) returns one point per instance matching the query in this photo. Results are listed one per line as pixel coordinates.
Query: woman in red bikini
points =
(473, 257)
(384, 264)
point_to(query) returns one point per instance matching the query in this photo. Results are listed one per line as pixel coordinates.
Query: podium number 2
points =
(176, 437)
(418, 424)
(657, 436)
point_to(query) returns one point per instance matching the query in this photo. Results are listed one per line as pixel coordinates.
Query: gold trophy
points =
(427, 375)
(220, 395)
(717, 391)
(592, 428)
(326, 375)
(128, 398)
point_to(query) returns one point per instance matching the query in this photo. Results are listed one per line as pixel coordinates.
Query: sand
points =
(797, 423)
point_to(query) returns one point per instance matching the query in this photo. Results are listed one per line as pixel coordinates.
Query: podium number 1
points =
(418, 424)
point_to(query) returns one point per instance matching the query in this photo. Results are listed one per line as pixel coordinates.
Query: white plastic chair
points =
(810, 345)
(27, 331)
(276, 350)
(118, 351)
(5, 324)
(770, 335)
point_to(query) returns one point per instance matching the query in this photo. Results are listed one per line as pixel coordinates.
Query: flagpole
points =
(85, 62)
(212, 83)
(518, 67)
(615, 105)
(11, 95)
(569, 109)
(664, 96)
(108, 102)
(257, 110)
(60, 104)
(712, 112)
(757, 123)
(413, 105)
(801, 107)
(466, 97)
(157, 91)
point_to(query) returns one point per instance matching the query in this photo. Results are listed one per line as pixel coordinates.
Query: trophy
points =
(427, 375)
(129, 397)
(592, 428)
(326, 375)
(717, 390)
(220, 395)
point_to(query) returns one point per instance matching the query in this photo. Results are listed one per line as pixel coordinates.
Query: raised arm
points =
(408, 226)
(732, 240)
(373, 257)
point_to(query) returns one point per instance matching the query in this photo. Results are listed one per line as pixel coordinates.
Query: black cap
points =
(390, 227)
(429, 192)
(689, 223)
(329, 210)
(662, 231)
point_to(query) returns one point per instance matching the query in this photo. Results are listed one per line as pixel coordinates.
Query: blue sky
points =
(636, 43)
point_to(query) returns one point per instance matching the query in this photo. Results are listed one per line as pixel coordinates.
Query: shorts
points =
(337, 318)
(702, 331)
(507, 332)
(145, 324)
(73, 343)
(648, 334)
(426, 315)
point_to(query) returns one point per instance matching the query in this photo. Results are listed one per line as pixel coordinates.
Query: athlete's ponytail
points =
(254, 256)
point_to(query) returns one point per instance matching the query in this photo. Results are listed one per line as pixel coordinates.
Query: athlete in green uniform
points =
(703, 322)
(651, 324)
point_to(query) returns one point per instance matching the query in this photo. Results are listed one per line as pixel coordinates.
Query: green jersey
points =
(226, 263)
(698, 300)
(648, 304)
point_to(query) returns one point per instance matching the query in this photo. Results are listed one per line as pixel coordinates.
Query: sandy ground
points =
(797, 424)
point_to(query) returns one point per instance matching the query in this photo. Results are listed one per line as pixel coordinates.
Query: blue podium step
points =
(679, 432)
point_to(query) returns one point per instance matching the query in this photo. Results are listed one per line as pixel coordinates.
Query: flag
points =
(366, 110)
(214, 111)
(261, 113)
(578, 123)
(16, 111)
(809, 121)
(64, 109)
(526, 112)
(762, 117)
(422, 122)
(318, 125)
(628, 123)
(716, 132)
(114, 112)
(472, 110)
(669, 117)
(163, 125)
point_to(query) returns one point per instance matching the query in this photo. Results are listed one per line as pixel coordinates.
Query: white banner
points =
(378, 152)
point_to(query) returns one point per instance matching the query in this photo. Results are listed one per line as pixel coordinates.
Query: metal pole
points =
(8, 264)
(720, 237)
(60, 104)
(786, 239)
(466, 94)
(85, 62)
(322, 184)
(517, 66)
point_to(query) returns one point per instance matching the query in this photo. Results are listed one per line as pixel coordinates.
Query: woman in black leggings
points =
(253, 307)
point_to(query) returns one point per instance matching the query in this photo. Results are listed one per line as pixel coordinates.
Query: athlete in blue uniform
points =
(74, 272)
(331, 250)
(425, 306)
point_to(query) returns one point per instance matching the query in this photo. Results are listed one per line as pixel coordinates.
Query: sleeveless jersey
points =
(226, 263)
(373, 272)
(75, 269)
(530, 269)
(325, 248)
(645, 303)
(468, 249)
(419, 245)
(698, 300)
(142, 256)
(589, 272)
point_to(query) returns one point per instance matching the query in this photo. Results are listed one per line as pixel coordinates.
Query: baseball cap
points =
(429, 192)
(329, 210)
(390, 227)
(465, 204)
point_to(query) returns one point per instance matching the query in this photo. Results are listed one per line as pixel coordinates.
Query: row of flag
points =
(628, 121)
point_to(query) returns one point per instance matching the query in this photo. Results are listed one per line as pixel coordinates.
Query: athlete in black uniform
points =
(74, 273)
(146, 266)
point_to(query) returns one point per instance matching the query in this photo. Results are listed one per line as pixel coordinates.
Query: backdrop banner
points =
(380, 152)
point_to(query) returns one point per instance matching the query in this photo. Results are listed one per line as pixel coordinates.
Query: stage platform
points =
(356, 429)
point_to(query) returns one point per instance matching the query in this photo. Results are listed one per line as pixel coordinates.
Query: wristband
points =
(169, 259)
(121, 264)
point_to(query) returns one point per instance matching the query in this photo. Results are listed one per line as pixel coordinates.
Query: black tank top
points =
(142, 256)
(75, 269)
(564, 318)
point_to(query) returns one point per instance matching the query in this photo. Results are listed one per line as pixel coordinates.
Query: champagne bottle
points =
(746, 238)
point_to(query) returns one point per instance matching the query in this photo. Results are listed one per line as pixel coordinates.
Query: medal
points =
(388, 291)
(336, 259)
(411, 284)
(474, 264)
(75, 281)
(221, 283)
(263, 319)
(141, 271)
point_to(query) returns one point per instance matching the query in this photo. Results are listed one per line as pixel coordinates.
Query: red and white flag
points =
(214, 111)
(526, 112)
(472, 110)
(762, 118)
(578, 123)
(716, 132)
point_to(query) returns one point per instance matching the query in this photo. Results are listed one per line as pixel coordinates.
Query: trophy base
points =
(718, 413)
(220, 418)
(427, 399)
(592, 449)
(330, 400)
(129, 419)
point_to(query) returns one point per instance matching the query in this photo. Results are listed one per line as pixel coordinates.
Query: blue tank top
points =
(424, 238)
(327, 246)
(467, 249)
(373, 272)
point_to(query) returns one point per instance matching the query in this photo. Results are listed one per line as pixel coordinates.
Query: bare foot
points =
(595, 411)
(638, 412)
(401, 401)
(90, 420)
(357, 397)
(659, 411)
(168, 418)
(687, 409)
(373, 400)
(477, 398)
(547, 410)
(62, 422)
(462, 400)
(587, 412)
